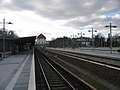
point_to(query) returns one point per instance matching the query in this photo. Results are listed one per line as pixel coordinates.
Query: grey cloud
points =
(71, 10)
(67, 9)
(63, 9)
(19, 5)
(97, 23)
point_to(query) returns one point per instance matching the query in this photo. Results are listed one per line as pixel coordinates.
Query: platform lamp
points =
(4, 22)
(92, 38)
(111, 35)
(81, 38)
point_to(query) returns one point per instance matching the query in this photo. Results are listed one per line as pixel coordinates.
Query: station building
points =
(20, 44)
(41, 40)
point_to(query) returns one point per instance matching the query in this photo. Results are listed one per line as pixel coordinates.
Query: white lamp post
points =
(92, 38)
(81, 38)
(4, 22)
(111, 35)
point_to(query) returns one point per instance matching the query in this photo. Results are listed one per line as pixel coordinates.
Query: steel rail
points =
(46, 80)
(90, 61)
(98, 63)
(97, 69)
(59, 73)
(64, 78)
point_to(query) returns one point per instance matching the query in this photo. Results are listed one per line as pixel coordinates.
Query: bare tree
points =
(8, 34)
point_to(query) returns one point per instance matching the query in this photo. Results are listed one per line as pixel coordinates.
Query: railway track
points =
(91, 59)
(104, 75)
(105, 60)
(50, 76)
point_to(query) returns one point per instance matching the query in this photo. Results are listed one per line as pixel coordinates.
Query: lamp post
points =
(73, 41)
(111, 35)
(92, 38)
(4, 22)
(81, 38)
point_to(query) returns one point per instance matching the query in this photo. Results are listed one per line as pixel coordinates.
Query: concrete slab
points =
(101, 52)
(32, 83)
(8, 66)
(15, 72)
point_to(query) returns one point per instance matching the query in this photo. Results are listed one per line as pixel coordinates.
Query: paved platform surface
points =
(15, 72)
(103, 52)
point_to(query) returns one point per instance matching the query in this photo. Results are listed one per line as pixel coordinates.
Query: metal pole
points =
(101, 42)
(110, 38)
(111, 35)
(3, 38)
(81, 41)
(92, 41)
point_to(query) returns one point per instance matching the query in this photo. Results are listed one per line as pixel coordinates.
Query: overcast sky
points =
(57, 18)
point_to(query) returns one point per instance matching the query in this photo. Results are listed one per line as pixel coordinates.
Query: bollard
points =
(0, 56)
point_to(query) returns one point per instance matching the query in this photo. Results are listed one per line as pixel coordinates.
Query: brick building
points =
(41, 40)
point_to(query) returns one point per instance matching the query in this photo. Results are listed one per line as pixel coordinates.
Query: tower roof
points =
(41, 36)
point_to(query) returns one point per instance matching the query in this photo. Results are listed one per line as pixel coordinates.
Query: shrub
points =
(119, 50)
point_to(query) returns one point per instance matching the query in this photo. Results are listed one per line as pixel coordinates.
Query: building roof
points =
(24, 40)
(41, 36)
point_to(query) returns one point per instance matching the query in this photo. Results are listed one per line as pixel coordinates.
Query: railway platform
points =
(101, 52)
(17, 72)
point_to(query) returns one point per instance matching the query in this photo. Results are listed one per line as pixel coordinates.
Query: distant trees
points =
(8, 34)
(116, 40)
(60, 42)
(99, 41)
(9, 38)
(64, 42)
